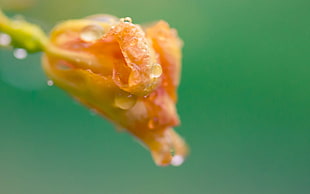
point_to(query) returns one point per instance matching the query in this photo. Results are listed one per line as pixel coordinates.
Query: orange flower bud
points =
(126, 74)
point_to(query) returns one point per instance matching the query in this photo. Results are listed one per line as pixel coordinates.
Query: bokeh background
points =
(244, 103)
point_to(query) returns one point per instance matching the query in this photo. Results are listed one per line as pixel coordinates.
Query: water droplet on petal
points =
(177, 160)
(125, 100)
(50, 83)
(63, 65)
(162, 38)
(5, 39)
(20, 53)
(126, 19)
(153, 123)
(156, 71)
(92, 33)
(93, 112)
(89, 70)
(90, 62)
(18, 18)
(106, 18)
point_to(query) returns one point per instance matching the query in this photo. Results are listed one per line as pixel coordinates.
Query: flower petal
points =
(126, 75)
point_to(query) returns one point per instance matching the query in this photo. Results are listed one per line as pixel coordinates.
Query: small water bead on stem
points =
(5, 39)
(92, 33)
(20, 53)
(124, 100)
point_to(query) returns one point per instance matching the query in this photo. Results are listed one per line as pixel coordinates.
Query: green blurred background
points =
(244, 103)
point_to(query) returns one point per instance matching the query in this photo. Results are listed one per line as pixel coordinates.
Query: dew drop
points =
(106, 18)
(126, 19)
(90, 62)
(63, 65)
(91, 33)
(5, 39)
(177, 160)
(172, 151)
(161, 38)
(18, 18)
(20, 53)
(89, 70)
(50, 83)
(93, 112)
(156, 71)
(152, 123)
(125, 100)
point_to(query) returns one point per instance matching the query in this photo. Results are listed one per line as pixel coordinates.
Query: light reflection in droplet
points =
(125, 101)
(5, 39)
(156, 71)
(20, 53)
(177, 160)
(93, 112)
(91, 33)
(126, 19)
(110, 19)
(50, 83)
(152, 123)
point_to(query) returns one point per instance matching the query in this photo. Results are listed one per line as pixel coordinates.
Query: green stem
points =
(32, 38)
(24, 35)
